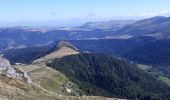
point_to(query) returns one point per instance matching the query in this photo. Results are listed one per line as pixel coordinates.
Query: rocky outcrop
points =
(7, 70)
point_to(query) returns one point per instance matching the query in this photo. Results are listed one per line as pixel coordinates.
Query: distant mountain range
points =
(122, 38)
(157, 27)
(113, 24)
(127, 36)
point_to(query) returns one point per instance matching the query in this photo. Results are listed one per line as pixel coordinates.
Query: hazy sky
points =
(44, 10)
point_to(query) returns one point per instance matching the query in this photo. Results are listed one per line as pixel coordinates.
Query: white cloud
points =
(165, 13)
(150, 14)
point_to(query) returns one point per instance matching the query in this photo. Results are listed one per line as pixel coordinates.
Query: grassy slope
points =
(10, 91)
(48, 84)
(165, 80)
(49, 79)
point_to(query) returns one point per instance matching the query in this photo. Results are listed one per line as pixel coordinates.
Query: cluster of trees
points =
(101, 75)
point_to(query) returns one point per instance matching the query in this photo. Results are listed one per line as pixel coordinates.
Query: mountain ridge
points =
(54, 81)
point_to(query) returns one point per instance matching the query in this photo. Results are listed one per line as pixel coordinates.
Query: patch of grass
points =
(144, 67)
(50, 84)
(165, 80)
(48, 79)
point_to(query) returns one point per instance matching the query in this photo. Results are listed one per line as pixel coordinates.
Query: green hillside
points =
(101, 75)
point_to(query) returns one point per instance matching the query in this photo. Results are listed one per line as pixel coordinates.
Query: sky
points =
(71, 10)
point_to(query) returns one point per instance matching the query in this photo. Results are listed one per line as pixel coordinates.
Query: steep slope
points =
(49, 78)
(53, 81)
(157, 27)
(79, 74)
(102, 75)
(15, 84)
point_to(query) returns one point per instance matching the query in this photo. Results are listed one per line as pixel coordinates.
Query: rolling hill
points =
(49, 83)
(97, 74)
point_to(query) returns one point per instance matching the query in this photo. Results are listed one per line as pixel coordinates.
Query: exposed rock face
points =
(4, 64)
(11, 72)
